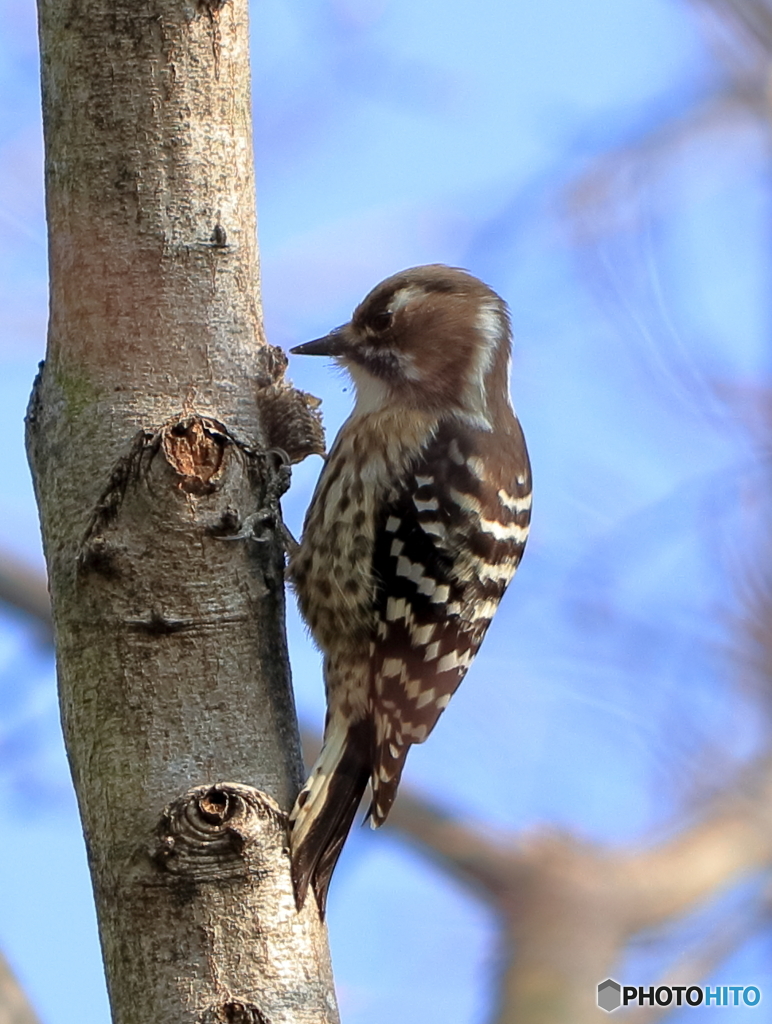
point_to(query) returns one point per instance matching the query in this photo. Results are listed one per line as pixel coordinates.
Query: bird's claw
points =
(260, 526)
(255, 527)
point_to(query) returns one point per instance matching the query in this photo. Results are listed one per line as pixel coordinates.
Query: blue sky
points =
(391, 133)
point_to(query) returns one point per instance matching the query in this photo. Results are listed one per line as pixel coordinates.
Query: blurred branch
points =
(752, 17)
(569, 909)
(25, 590)
(14, 1006)
(733, 839)
(603, 200)
(600, 197)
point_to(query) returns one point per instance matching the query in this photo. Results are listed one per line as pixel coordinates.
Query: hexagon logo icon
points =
(609, 995)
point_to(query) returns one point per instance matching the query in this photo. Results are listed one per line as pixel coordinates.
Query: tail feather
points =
(389, 764)
(325, 810)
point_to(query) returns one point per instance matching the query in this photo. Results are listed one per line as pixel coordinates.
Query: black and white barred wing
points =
(446, 546)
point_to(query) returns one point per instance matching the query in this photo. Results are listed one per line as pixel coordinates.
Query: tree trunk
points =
(148, 434)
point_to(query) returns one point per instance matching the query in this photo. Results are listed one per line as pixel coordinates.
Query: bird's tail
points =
(389, 762)
(324, 810)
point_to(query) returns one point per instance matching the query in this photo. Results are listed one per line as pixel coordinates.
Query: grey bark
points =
(149, 432)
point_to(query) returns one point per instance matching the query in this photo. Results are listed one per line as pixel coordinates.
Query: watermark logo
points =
(609, 995)
(612, 995)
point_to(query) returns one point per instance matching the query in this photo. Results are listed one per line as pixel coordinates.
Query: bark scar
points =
(194, 448)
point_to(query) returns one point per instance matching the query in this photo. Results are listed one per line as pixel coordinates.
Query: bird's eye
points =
(380, 321)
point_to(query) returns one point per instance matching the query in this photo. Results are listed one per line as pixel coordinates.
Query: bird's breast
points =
(332, 570)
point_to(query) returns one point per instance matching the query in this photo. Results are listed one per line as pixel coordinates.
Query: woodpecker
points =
(417, 524)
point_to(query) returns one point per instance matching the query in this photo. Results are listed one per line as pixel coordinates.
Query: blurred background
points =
(606, 168)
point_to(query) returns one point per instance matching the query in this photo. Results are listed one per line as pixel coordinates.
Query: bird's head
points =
(433, 338)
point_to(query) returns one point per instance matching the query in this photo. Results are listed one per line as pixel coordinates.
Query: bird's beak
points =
(332, 344)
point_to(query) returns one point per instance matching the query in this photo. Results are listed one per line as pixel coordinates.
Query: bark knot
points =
(235, 1011)
(218, 831)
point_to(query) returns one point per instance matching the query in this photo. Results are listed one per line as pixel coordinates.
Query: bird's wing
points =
(447, 543)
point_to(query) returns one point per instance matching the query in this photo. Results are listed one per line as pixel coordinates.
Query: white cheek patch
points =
(372, 394)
